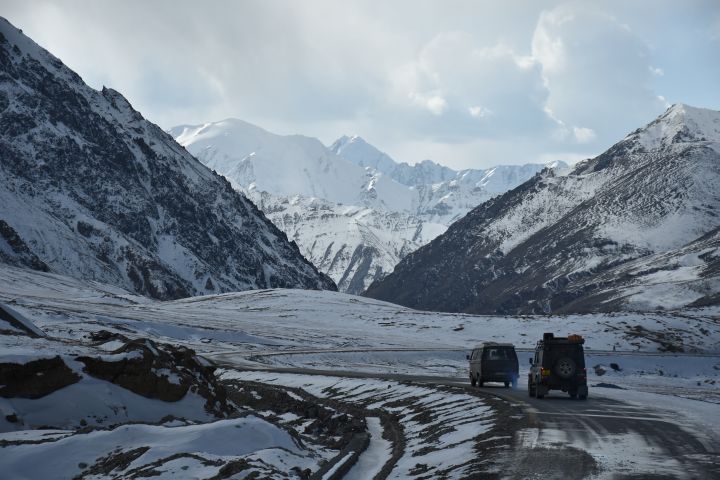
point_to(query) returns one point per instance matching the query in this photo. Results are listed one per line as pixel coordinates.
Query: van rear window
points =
(499, 354)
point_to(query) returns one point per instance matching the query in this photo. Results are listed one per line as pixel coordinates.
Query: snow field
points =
(188, 451)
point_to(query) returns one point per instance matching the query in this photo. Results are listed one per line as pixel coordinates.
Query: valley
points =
(217, 301)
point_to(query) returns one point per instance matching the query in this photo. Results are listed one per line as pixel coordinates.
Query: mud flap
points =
(582, 391)
(541, 391)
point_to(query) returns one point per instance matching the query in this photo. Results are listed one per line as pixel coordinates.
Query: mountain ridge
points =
(359, 227)
(91, 189)
(538, 247)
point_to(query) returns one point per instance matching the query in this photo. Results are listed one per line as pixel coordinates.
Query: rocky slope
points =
(90, 189)
(635, 227)
(353, 245)
(354, 217)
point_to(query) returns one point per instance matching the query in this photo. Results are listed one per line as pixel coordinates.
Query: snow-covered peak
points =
(237, 131)
(679, 124)
(287, 165)
(356, 150)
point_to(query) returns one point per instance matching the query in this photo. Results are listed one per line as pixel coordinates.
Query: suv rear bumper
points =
(580, 389)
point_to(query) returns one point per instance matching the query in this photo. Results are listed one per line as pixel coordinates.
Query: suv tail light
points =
(545, 372)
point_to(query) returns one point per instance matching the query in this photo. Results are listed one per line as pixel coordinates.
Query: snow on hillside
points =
(91, 189)
(97, 428)
(679, 124)
(330, 330)
(569, 242)
(444, 195)
(353, 211)
(353, 245)
(297, 319)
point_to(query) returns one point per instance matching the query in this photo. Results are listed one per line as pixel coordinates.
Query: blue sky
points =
(465, 83)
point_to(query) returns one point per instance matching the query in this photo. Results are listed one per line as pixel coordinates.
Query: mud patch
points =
(562, 463)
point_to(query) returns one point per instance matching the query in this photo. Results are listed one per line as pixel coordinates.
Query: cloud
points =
(474, 91)
(583, 134)
(659, 72)
(596, 70)
(479, 111)
(434, 103)
(476, 84)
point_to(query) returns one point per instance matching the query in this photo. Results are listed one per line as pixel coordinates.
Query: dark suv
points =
(558, 364)
(493, 362)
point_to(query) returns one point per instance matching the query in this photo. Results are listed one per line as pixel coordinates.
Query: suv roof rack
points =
(494, 344)
(572, 338)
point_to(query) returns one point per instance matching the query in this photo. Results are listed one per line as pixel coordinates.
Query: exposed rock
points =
(35, 379)
(160, 371)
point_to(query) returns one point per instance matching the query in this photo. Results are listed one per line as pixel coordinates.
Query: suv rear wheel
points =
(565, 367)
(473, 382)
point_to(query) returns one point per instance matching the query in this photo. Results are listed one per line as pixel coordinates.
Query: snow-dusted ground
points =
(238, 327)
(237, 323)
(440, 427)
(197, 450)
(322, 330)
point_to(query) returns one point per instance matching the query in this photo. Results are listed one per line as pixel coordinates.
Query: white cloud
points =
(478, 111)
(436, 104)
(583, 134)
(475, 84)
(597, 71)
(481, 91)
(658, 72)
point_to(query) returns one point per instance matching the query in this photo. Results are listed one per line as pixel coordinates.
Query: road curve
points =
(573, 439)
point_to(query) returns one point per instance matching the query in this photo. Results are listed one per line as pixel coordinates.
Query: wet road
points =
(624, 440)
(597, 438)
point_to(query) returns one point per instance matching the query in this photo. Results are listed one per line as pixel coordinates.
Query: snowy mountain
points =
(353, 216)
(353, 245)
(90, 189)
(251, 157)
(635, 227)
(361, 153)
(444, 195)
